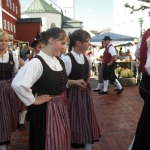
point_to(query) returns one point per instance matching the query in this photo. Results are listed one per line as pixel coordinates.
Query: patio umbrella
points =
(113, 36)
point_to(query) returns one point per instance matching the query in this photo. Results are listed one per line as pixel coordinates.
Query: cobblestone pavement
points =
(117, 117)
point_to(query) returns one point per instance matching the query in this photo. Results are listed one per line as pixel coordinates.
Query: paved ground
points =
(117, 118)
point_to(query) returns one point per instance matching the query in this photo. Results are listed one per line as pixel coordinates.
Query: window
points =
(10, 4)
(13, 6)
(8, 25)
(5, 26)
(16, 10)
(14, 29)
(53, 25)
(7, 3)
(11, 27)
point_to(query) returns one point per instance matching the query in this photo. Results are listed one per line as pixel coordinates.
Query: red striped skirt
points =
(84, 126)
(50, 128)
(9, 111)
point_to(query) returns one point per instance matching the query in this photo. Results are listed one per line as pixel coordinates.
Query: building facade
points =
(126, 23)
(9, 13)
(51, 14)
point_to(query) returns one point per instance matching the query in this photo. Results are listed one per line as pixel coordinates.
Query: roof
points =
(68, 19)
(39, 6)
(29, 20)
(113, 36)
(64, 25)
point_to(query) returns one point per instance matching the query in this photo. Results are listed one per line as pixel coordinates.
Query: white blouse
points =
(79, 58)
(137, 53)
(5, 59)
(29, 74)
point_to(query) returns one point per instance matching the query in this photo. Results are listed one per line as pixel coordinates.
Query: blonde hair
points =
(24, 45)
(3, 33)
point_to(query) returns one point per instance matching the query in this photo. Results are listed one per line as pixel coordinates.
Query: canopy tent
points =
(113, 36)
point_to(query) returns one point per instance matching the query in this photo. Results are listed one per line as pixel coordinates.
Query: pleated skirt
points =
(9, 111)
(84, 126)
(50, 125)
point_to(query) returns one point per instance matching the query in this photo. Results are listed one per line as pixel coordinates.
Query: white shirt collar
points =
(79, 55)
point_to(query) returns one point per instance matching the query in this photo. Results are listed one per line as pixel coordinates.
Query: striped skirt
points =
(9, 111)
(49, 125)
(84, 126)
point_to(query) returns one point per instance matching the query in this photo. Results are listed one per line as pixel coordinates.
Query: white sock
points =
(105, 85)
(22, 116)
(118, 84)
(130, 148)
(98, 86)
(87, 147)
(3, 147)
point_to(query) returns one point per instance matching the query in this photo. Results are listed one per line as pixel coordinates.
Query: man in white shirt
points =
(109, 59)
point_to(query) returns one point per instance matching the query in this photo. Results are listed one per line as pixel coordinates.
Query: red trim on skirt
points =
(9, 111)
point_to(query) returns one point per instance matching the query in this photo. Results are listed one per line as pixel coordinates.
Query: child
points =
(46, 74)
(84, 126)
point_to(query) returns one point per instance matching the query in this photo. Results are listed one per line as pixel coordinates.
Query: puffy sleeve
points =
(68, 64)
(112, 51)
(90, 63)
(16, 66)
(147, 65)
(25, 79)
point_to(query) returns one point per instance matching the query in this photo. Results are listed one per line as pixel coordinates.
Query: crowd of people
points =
(50, 85)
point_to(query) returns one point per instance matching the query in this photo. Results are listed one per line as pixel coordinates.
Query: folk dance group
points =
(57, 92)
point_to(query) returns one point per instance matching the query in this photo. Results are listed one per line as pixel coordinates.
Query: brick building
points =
(9, 13)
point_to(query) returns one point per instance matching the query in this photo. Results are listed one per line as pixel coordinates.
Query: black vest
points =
(78, 71)
(6, 69)
(51, 82)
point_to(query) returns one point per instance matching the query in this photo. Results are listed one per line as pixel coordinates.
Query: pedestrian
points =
(84, 126)
(46, 74)
(9, 109)
(135, 62)
(142, 138)
(109, 64)
(25, 52)
(100, 74)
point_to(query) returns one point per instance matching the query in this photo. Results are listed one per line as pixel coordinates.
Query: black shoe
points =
(102, 92)
(96, 90)
(120, 91)
(115, 89)
(21, 127)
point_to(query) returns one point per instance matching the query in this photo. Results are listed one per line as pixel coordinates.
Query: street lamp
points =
(141, 23)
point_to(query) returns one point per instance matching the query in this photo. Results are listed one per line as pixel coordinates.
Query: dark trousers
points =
(109, 73)
(142, 137)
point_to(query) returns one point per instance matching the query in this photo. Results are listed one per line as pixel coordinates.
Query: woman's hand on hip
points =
(42, 99)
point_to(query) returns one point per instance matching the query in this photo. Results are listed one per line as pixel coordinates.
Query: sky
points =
(95, 14)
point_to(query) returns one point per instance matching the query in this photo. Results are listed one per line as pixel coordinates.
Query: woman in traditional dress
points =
(46, 74)
(9, 105)
(84, 126)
